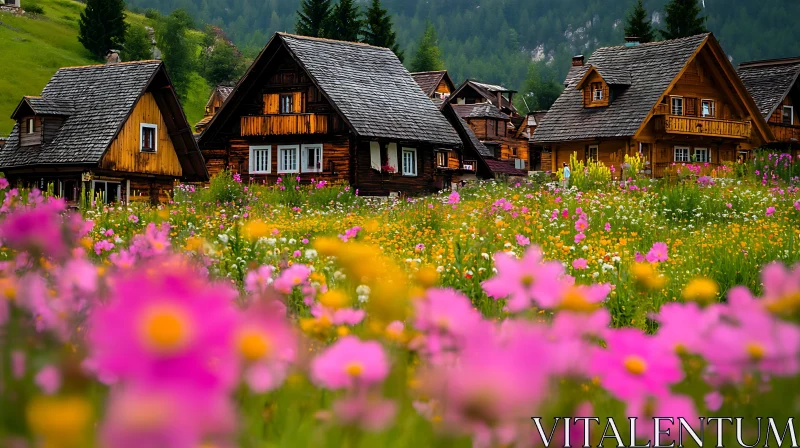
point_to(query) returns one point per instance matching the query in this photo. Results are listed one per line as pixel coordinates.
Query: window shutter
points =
(271, 103)
(375, 155)
(297, 102)
(691, 107)
(391, 153)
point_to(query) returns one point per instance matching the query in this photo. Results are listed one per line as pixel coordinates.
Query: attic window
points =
(287, 104)
(597, 92)
(788, 115)
(677, 105)
(29, 126)
(149, 140)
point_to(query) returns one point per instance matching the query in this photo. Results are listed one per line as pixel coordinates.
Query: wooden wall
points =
(34, 139)
(777, 116)
(443, 88)
(699, 83)
(595, 80)
(124, 154)
(370, 182)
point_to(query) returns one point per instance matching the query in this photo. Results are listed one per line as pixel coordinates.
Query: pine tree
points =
(427, 58)
(378, 29)
(102, 26)
(345, 22)
(313, 18)
(177, 49)
(638, 24)
(138, 46)
(683, 19)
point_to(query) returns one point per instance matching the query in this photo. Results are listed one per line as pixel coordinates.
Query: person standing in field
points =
(567, 173)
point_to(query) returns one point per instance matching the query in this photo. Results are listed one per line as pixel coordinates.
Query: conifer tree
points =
(138, 46)
(637, 24)
(683, 19)
(102, 26)
(346, 21)
(378, 29)
(313, 18)
(427, 57)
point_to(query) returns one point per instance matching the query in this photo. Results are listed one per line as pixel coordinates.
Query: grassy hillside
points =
(35, 47)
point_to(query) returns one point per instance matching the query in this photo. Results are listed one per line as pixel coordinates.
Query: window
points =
(260, 159)
(682, 154)
(702, 155)
(109, 191)
(312, 158)
(29, 123)
(287, 104)
(677, 105)
(591, 153)
(287, 159)
(148, 142)
(441, 159)
(788, 115)
(709, 108)
(409, 162)
(597, 92)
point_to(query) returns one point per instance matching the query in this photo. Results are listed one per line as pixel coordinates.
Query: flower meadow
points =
(305, 315)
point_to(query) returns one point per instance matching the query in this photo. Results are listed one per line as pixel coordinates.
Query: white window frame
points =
(791, 115)
(142, 127)
(682, 159)
(282, 169)
(304, 157)
(289, 102)
(597, 94)
(712, 108)
(408, 169)
(707, 157)
(253, 166)
(596, 149)
(30, 124)
(672, 106)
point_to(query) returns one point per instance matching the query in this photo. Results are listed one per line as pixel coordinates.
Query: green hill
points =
(34, 47)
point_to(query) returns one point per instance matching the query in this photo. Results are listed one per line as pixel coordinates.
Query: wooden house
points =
(437, 85)
(329, 110)
(538, 155)
(476, 92)
(215, 102)
(114, 129)
(775, 87)
(676, 101)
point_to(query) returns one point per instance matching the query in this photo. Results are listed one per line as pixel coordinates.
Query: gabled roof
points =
(493, 88)
(611, 75)
(222, 91)
(769, 82)
(41, 106)
(429, 81)
(375, 95)
(101, 98)
(480, 110)
(487, 91)
(653, 67)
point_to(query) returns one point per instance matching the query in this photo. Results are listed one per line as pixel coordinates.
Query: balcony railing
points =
(674, 124)
(288, 124)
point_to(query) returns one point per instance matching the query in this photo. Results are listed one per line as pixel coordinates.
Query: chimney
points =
(577, 61)
(631, 41)
(112, 57)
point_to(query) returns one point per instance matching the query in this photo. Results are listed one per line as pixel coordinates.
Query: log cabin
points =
(117, 131)
(676, 101)
(436, 85)
(775, 87)
(476, 92)
(215, 101)
(329, 110)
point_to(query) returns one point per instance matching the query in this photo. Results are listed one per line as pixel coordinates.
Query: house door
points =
(110, 191)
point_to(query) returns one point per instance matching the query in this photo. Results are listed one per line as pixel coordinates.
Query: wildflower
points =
(581, 225)
(454, 198)
(522, 281)
(770, 211)
(579, 263)
(60, 421)
(334, 299)
(522, 240)
(668, 409)
(266, 344)
(607, 227)
(658, 253)
(702, 290)
(38, 229)
(295, 275)
(371, 414)
(579, 237)
(48, 379)
(350, 363)
(256, 281)
(255, 229)
(781, 288)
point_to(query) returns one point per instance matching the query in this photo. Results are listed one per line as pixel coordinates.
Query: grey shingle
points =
(481, 110)
(769, 81)
(49, 106)
(651, 68)
(428, 81)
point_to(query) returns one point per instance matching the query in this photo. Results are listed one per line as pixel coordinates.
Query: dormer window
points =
(597, 92)
(29, 126)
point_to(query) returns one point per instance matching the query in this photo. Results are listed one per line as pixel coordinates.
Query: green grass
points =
(34, 48)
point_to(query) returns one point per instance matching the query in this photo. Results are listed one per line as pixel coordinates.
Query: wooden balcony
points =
(673, 124)
(286, 124)
(785, 132)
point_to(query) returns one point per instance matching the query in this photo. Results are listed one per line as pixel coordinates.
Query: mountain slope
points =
(34, 48)
(494, 40)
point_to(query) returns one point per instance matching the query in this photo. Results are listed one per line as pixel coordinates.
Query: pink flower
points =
(454, 198)
(295, 275)
(668, 406)
(48, 379)
(581, 225)
(350, 363)
(37, 229)
(635, 366)
(257, 281)
(676, 336)
(350, 233)
(3, 183)
(525, 280)
(658, 253)
(797, 205)
(266, 344)
(639, 258)
(522, 240)
(579, 237)
(368, 413)
(607, 227)
(579, 264)
(164, 324)
(103, 246)
(18, 364)
(770, 211)
(445, 316)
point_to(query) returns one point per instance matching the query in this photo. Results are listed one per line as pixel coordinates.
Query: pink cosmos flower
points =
(639, 257)
(635, 366)
(579, 263)
(103, 246)
(295, 275)
(607, 227)
(581, 225)
(579, 237)
(350, 233)
(454, 198)
(780, 282)
(658, 253)
(3, 183)
(350, 363)
(257, 280)
(676, 336)
(165, 324)
(342, 316)
(445, 316)
(36, 229)
(668, 406)
(522, 240)
(770, 211)
(797, 205)
(370, 414)
(266, 344)
(525, 280)
(48, 379)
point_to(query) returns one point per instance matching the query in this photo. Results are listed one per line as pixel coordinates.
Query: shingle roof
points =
(476, 143)
(487, 91)
(769, 81)
(373, 91)
(494, 88)
(102, 97)
(504, 167)
(480, 110)
(49, 106)
(223, 91)
(428, 81)
(651, 66)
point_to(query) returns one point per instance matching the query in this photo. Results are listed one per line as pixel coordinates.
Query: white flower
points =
(292, 241)
(311, 254)
(485, 255)
(223, 238)
(440, 269)
(363, 290)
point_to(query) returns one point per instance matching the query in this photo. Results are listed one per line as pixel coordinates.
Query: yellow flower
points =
(255, 229)
(701, 289)
(335, 298)
(60, 421)
(647, 277)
